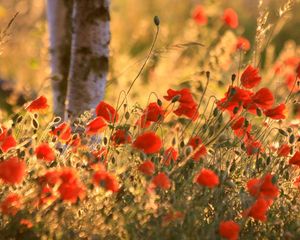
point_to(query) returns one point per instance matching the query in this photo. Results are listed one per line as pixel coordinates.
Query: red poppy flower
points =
(154, 112)
(199, 15)
(11, 204)
(147, 167)
(106, 180)
(38, 104)
(196, 143)
(253, 147)
(71, 191)
(284, 150)
(229, 230)
(12, 170)
(208, 178)
(184, 95)
(121, 136)
(67, 175)
(95, 126)
(142, 122)
(63, 131)
(70, 188)
(45, 152)
(230, 18)
(250, 77)
(25, 222)
(189, 110)
(239, 129)
(170, 155)
(148, 142)
(295, 160)
(46, 196)
(234, 97)
(7, 141)
(161, 180)
(263, 187)
(298, 71)
(107, 112)
(297, 182)
(290, 80)
(276, 112)
(51, 177)
(258, 210)
(263, 98)
(242, 44)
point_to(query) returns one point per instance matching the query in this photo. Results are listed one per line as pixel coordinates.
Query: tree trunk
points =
(89, 56)
(59, 20)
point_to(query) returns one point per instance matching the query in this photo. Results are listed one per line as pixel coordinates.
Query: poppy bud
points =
(233, 77)
(156, 20)
(258, 112)
(176, 98)
(282, 132)
(292, 139)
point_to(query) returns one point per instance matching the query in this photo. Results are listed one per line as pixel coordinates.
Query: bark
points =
(89, 56)
(59, 20)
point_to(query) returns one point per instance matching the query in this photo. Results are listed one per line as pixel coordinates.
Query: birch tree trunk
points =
(59, 22)
(89, 56)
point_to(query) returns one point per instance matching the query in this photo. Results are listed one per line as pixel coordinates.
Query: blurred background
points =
(24, 53)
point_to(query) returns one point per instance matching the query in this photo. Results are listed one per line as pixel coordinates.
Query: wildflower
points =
(70, 188)
(51, 177)
(45, 152)
(196, 143)
(276, 112)
(199, 15)
(230, 18)
(7, 141)
(258, 210)
(239, 129)
(298, 70)
(38, 104)
(263, 98)
(242, 44)
(161, 180)
(121, 136)
(184, 95)
(253, 147)
(63, 131)
(295, 160)
(46, 196)
(148, 142)
(284, 150)
(12, 170)
(147, 168)
(187, 107)
(250, 77)
(229, 230)
(235, 97)
(106, 180)
(154, 112)
(71, 191)
(106, 111)
(11, 204)
(263, 188)
(95, 126)
(170, 155)
(297, 182)
(208, 178)
(27, 223)
(290, 81)
(189, 110)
